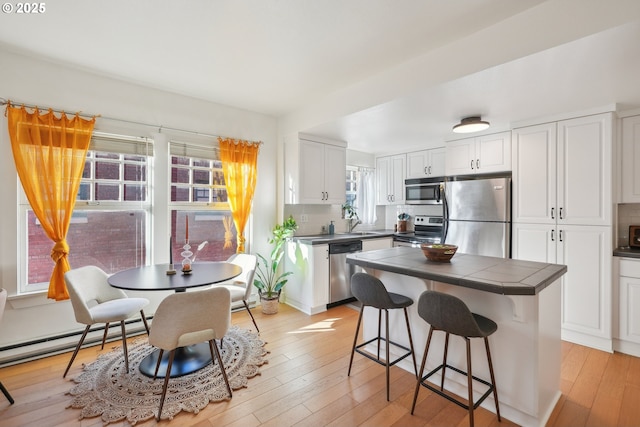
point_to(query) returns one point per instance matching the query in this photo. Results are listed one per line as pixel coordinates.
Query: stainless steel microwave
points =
(423, 191)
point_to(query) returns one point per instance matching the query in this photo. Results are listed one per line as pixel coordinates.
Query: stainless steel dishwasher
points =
(340, 272)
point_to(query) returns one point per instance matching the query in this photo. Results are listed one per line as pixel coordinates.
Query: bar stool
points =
(370, 291)
(451, 315)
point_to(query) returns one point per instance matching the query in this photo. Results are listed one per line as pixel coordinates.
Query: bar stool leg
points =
(386, 319)
(493, 379)
(444, 360)
(413, 353)
(469, 381)
(355, 340)
(422, 365)
(379, 329)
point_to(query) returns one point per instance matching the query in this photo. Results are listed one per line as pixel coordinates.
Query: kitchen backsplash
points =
(312, 218)
(628, 214)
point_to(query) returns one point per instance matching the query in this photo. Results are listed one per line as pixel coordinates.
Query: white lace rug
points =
(105, 389)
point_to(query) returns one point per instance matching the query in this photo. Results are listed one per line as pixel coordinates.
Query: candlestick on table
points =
(186, 233)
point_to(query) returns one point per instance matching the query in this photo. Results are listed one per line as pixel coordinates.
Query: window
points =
(352, 178)
(199, 196)
(110, 223)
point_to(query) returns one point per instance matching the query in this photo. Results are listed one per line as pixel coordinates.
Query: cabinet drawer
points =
(630, 268)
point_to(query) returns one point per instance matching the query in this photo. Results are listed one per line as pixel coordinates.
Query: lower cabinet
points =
(373, 244)
(307, 289)
(586, 288)
(628, 336)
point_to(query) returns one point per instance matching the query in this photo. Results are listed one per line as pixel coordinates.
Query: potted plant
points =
(268, 278)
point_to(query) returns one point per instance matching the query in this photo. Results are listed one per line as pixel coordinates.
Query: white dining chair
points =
(240, 286)
(187, 318)
(3, 302)
(95, 301)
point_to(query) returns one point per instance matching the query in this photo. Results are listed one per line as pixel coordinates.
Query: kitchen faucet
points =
(353, 225)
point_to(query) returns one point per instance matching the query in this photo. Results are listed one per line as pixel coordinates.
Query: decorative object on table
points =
(438, 252)
(402, 222)
(186, 250)
(171, 271)
(103, 389)
(268, 278)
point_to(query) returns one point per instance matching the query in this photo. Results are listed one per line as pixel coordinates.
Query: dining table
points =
(168, 277)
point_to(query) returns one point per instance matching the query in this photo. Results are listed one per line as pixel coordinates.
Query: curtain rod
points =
(4, 101)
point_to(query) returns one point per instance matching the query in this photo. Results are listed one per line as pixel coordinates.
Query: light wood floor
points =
(305, 383)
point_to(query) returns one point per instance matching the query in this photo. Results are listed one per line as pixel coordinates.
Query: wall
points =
(34, 81)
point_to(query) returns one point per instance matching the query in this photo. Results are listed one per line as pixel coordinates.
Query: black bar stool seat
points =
(371, 292)
(451, 315)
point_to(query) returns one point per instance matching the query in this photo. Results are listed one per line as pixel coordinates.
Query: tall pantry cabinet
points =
(562, 213)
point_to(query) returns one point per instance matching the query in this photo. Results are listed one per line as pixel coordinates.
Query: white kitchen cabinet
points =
(586, 287)
(374, 244)
(482, 154)
(630, 173)
(562, 172)
(426, 163)
(315, 171)
(628, 303)
(390, 175)
(307, 289)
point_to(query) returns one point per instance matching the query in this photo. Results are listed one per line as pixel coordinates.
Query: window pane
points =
(179, 176)
(102, 155)
(84, 193)
(200, 194)
(201, 176)
(175, 160)
(133, 172)
(219, 195)
(107, 191)
(218, 178)
(134, 192)
(204, 226)
(93, 240)
(179, 194)
(107, 170)
(86, 172)
(202, 163)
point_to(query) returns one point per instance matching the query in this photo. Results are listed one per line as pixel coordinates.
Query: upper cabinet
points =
(562, 172)
(390, 175)
(426, 163)
(482, 154)
(630, 175)
(314, 171)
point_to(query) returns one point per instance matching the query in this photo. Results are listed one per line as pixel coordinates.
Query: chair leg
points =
(444, 360)
(493, 379)
(386, 319)
(224, 372)
(413, 353)
(166, 383)
(422, 365)
(355, 340)
(124, 346)
(104, 336)
(75, 352)
(469, 381)
(379, 329)
(251, 314)
(144, 320)
(6, 394)
(160, 354)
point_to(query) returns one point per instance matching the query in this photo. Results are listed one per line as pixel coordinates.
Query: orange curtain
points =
(240, 167)
(49, 154)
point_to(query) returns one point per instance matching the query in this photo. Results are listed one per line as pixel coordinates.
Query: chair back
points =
(3, 301)
(187, 318)
(88, 284)
(248, 263)
(369, 290)
(448, 313)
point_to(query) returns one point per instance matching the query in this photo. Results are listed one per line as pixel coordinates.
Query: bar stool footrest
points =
(452, 399)
(381, 361)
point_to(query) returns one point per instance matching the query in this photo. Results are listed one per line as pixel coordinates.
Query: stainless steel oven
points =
(424, 191)
(428, 229)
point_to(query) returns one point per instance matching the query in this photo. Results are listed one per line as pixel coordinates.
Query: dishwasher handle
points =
(345, 248)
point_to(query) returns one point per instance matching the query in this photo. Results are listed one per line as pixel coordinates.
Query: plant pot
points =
(270, 304)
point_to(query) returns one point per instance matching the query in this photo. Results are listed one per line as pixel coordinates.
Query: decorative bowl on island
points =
(438, 252)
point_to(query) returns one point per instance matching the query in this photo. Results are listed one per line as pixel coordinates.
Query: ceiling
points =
(383, 75)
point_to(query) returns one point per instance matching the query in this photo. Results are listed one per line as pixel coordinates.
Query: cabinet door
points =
(586, 288)
(383, 178)
(493, 153)
(418, 164)
(534, 242)
(397, 178)
(630, 174)
(373, 244)
(437, 162)
(312, 170)
(584, 170)
(534, 174)
(629, 300)
(335, 174)
(461, 157)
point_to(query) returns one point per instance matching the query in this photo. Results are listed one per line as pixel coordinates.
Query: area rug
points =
(105, 389)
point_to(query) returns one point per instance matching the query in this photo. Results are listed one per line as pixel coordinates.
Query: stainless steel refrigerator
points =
(478, 216)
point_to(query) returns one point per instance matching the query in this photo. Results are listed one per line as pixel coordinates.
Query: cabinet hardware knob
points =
(477, 163)
(553, 234)
(560, 212)
(472, 164)
(553, 212)
(560, 236)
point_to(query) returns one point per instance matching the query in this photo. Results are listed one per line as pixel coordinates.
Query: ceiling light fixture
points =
(470, 124)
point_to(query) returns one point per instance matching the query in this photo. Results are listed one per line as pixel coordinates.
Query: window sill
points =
(34, 299)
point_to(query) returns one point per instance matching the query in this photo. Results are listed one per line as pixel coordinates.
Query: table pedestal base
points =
(187, 360)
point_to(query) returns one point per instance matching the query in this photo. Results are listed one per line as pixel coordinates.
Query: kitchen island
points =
(522, 297)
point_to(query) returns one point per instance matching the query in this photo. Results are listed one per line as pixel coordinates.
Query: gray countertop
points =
(497, 275)
(319, 239)
(627, 252)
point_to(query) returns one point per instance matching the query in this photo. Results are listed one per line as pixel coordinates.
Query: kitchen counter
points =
(626, 251)
(497, 275)
(523, 298)
(321, 239)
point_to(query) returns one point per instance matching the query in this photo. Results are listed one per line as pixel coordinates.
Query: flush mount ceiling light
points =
(470, 124)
